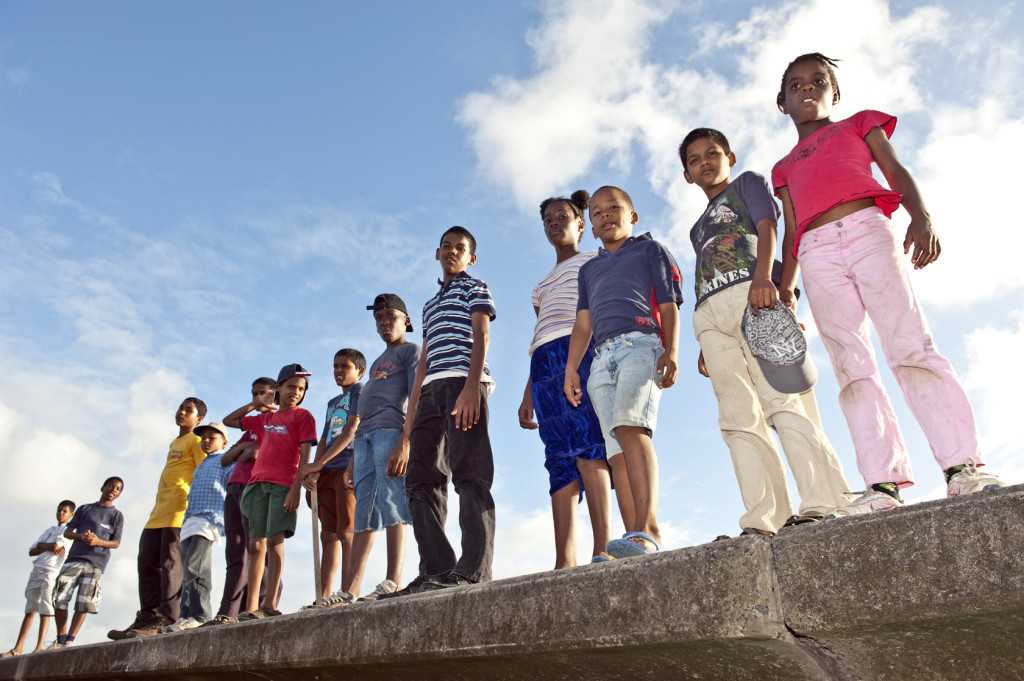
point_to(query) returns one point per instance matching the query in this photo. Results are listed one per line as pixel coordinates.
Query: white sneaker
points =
(971, 480)
(866, 503)
(55, 645)
(385, 587)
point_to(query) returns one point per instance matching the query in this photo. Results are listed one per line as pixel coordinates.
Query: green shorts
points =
(263, 505)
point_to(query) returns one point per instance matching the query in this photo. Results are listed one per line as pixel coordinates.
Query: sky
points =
(194, 194)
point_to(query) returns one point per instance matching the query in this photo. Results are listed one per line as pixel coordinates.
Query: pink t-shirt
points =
(243, 469)
(279, 435)
(833, 167)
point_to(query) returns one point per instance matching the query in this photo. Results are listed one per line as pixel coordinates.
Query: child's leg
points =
(44, 624)
(642, 469)
(61, 617)
(77, 620)
(755, 458)
(927, 379)
(623, 492)
(834, 294)
(197, 582)
(236, 544)
(257, 554)
(563, 511)
(396, 551)
(329, 561)
(362, 543)
(26, 626)
(275, 567)
(597, 484)
(255, 505)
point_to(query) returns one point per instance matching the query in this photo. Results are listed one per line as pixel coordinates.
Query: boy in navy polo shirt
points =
(629, 297)
(446, 426)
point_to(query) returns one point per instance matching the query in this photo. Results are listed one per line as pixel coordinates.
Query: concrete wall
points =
(932, 591)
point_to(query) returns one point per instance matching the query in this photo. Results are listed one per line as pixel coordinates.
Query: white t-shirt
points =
(555, 298)
(48, 560)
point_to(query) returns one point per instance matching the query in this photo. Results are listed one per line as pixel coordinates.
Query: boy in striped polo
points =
(446, 427)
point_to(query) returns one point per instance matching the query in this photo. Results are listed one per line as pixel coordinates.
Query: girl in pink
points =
(837, 225)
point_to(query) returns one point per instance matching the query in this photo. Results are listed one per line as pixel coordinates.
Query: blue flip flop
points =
(599, 559)
(624, 548)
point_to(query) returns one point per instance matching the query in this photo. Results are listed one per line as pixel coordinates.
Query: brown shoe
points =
(150, 629)
(142, 619)
(220, 619)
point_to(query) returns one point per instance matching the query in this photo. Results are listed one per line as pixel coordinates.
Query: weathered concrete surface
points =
(914, 594)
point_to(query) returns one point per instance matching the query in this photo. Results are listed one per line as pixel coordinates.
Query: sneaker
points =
(866, 503)
(339, 599)
(416, 586)
(151, 629)
(451, 581)
(55, 645)
(183, 624)
(802, 519)
(970, 480)
(142, 619)
(385, 587)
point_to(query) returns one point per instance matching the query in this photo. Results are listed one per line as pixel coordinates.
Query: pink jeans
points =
(854, 269)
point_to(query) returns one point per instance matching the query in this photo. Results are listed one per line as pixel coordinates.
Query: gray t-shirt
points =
(385, 397)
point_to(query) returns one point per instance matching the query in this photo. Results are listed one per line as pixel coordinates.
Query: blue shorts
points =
(380, 501)
(623, 384)
(567, 432)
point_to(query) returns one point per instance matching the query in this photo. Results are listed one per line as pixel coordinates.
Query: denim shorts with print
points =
(623, 385)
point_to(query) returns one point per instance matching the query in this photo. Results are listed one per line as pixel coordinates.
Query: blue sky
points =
(194, 194)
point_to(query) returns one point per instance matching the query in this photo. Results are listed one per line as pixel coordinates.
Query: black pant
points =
(439, 450)
(160, 571)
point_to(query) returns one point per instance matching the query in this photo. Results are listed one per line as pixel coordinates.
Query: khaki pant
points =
(746, 405)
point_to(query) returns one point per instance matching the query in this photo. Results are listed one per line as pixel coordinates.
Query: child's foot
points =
(10, 653)
(802, 518)
(55, 645)
(967, 479)
(418, 585)
(261, 614)
(750, 531)
(151, 629)
(878, 498)
(142, 619)
(385, 587)
(183, 624)
(338, 599)
(220, 619)
(451, 581)
(632, 544)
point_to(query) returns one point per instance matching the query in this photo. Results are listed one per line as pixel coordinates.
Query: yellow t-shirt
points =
(172, 491)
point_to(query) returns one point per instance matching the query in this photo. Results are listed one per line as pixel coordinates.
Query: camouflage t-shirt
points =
(725, 237)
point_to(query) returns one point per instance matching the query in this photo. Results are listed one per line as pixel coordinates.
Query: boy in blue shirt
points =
(446, 428)
(735, 241)
(49, 552)
(629, 297)
(95, 530)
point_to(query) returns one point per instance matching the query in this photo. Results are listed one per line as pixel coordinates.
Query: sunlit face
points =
(707, 164)
(345, 371)
(64, 514)
(187, 415)
(212, 441)
(611, 216)
(391, 324)
(561, 225)
(454, 254)
(809, 93)
(111, 490)
(291, 392)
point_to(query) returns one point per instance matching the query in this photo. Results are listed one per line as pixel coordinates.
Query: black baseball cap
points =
(390, 301)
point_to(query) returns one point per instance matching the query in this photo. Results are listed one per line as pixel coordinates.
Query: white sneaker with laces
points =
(971, 480)
(866, 503)
(55, 645)
(385, 587)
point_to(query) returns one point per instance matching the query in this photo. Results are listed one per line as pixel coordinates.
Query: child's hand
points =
(667, 369)
(346, 479)
(88, 538)
(398, 460)
(762, 294)
(58, 549)
(788, 298)
(702, 368)
(526, 413)
(291, 501)
(309, 480)
(925, 242)
(467, 407)
(572, 389)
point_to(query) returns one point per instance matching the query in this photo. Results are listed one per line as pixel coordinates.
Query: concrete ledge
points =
(925, 592)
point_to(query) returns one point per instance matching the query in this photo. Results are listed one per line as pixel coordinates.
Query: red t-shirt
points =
(833, 167)
(279, 435)
(243, 469)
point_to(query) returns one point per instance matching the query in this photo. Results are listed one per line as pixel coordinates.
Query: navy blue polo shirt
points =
(622, 290)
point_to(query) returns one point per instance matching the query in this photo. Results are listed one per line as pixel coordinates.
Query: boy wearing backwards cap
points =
(203, 525)
(735, 240)
(285, 434)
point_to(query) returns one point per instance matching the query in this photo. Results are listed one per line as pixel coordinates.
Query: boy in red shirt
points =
(285, 434)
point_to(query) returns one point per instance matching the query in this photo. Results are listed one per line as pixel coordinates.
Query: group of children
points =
(605, 346)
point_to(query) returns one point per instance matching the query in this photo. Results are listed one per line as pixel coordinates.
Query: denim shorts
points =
(380, 501)
(623, 384)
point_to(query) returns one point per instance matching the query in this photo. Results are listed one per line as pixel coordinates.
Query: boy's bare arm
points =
(920, 233)
(398, 460)
(762, 291)
(325, 455)
(790, 266)
(43, 547)
(261, 404)
(291, 500)
(578, 342)
(467, 405)
(668, 363)
(240, 451)
(307, 476)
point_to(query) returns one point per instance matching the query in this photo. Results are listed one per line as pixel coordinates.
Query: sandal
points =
(10, 653)
(627, 548)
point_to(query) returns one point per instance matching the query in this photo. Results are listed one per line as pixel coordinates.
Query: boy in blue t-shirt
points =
(95, 529)
(735, 241)
(446, 428)
(629, 297)
(336, 502)
(49, 552)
